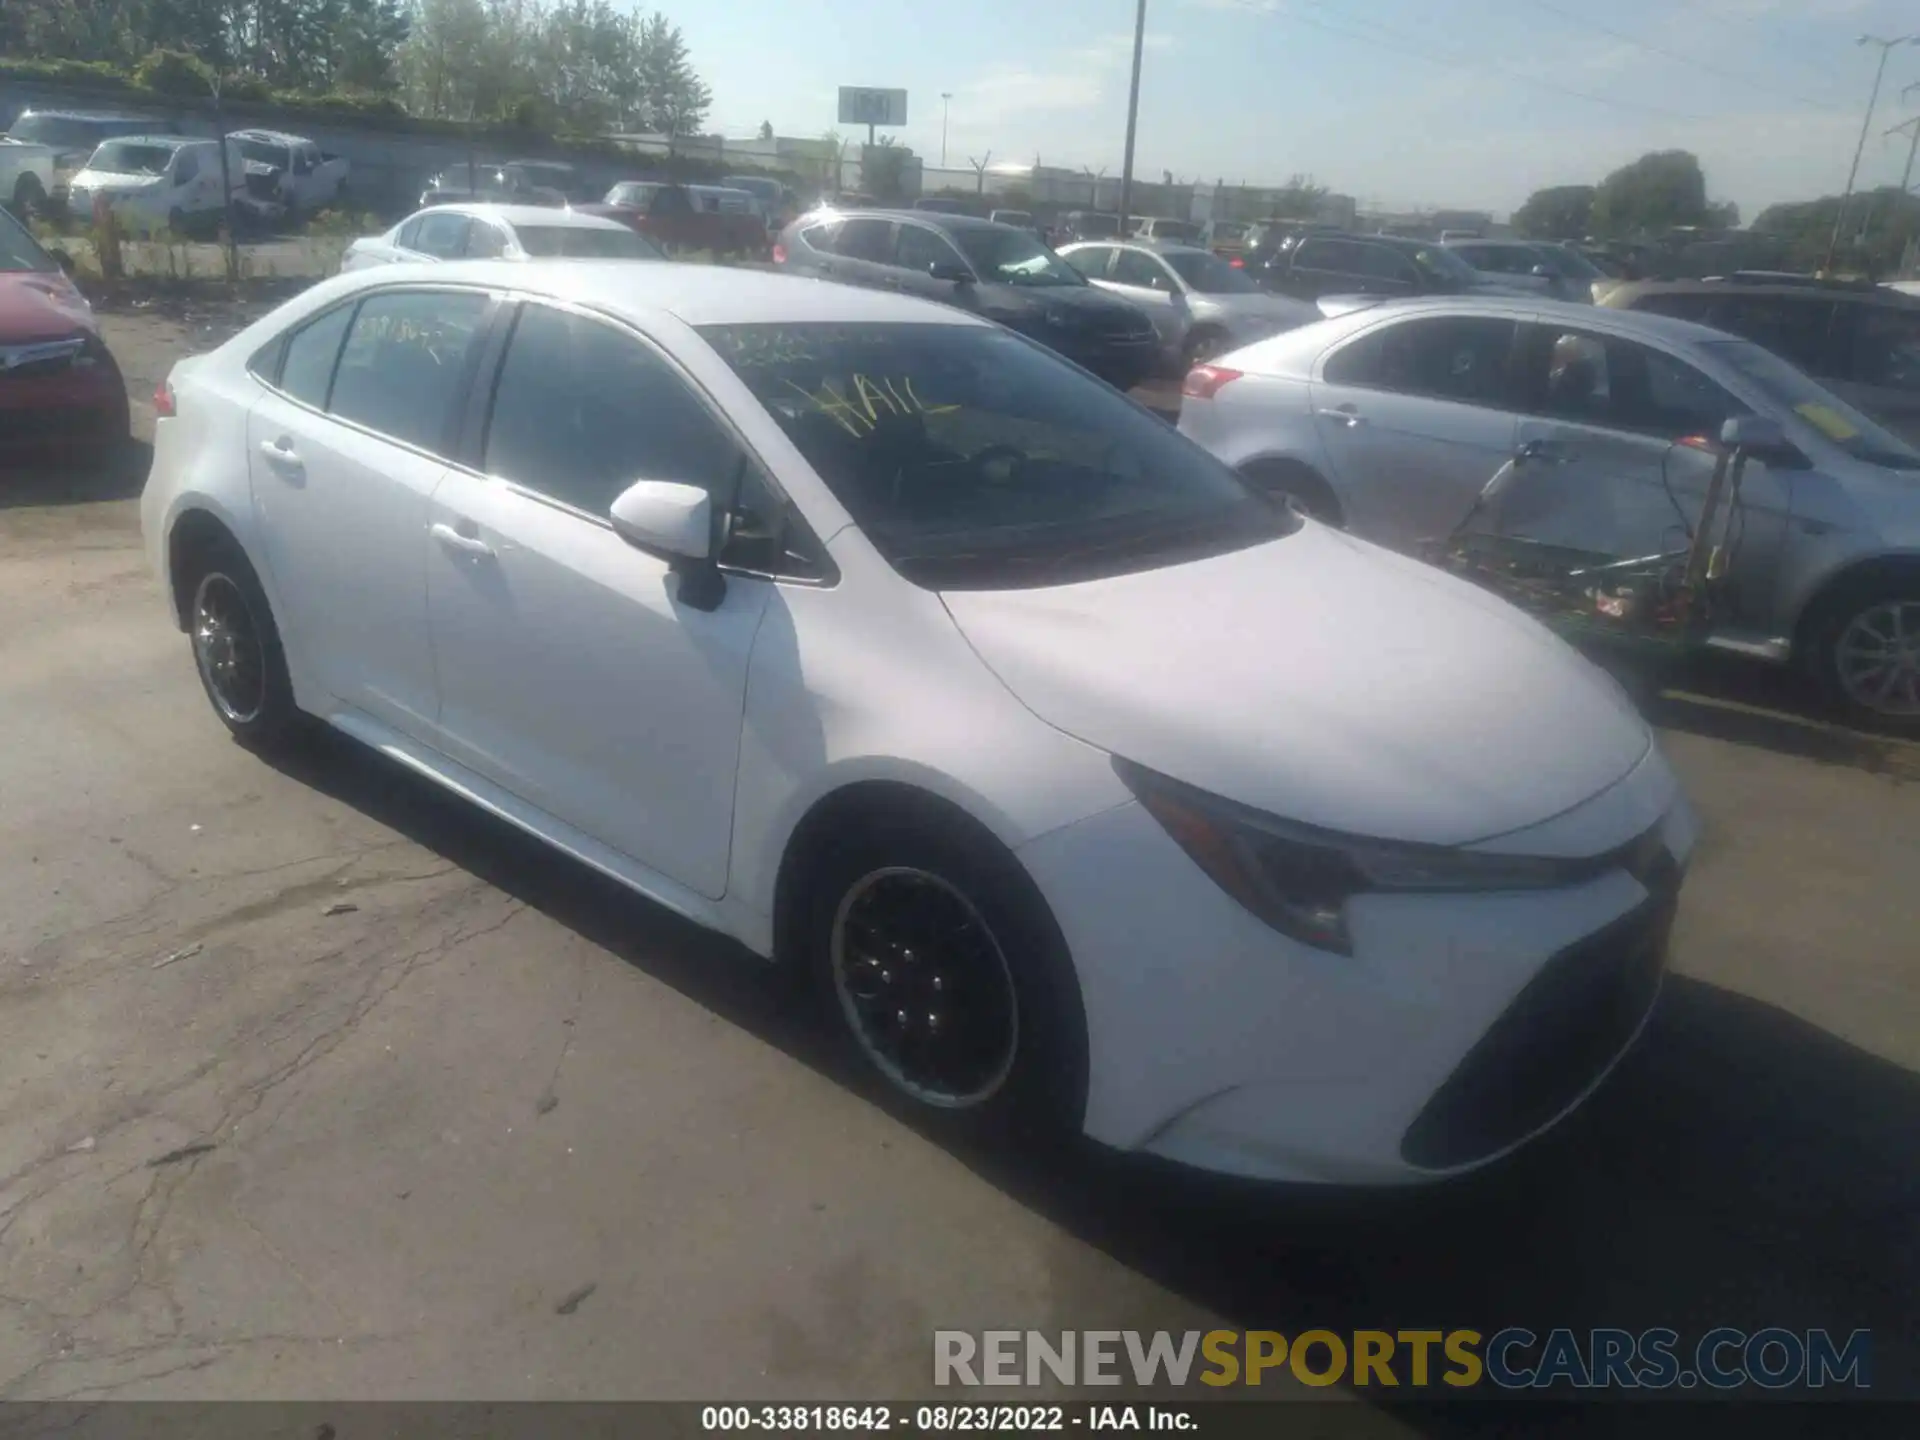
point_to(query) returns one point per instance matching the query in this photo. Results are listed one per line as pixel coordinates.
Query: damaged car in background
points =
(1662, 479)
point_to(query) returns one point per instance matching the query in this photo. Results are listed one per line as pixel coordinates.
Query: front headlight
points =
(1298, 878)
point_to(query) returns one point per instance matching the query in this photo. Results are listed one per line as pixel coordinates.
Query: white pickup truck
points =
(26, 175)
(290, 171)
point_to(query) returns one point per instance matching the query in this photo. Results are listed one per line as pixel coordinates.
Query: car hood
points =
(115, 180)
(1323, 680)
(37, 306)
(1083, 307)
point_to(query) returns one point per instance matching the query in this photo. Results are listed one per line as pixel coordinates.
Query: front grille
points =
(1559, 1034)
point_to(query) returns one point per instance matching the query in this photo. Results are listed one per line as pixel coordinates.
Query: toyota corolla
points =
(1094, 789)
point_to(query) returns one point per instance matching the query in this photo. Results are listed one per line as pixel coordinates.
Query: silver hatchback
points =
(1392, 419)
(1199, 303)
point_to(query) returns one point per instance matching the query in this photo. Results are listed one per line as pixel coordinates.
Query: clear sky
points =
(1451, 102)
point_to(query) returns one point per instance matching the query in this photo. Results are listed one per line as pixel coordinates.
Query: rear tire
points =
(1299, 487)
(945, 978)
(236, 646)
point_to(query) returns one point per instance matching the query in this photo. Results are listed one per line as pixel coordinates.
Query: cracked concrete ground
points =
(319, 1085)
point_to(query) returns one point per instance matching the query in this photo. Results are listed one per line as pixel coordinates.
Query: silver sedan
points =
(1391, 419)
(1200, 304)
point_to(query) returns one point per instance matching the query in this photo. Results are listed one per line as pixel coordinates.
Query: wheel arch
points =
(1830, 588)
(1303, 472)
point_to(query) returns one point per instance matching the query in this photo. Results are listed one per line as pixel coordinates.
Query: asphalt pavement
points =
(320, 1084)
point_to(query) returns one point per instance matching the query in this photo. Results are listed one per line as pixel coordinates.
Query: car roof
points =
(272, 137)
(1671, 329)
(1790, 289)
(528, 215)
(939, 219)
(97, 116)
(1507, 240)
(1135, 242)
(169, 142)
(693, 294)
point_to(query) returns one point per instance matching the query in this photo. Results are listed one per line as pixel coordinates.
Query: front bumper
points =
(1461, 1026)
(76, 407)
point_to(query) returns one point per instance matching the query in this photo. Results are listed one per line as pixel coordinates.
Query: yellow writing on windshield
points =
(859, 414)
(1828, 421)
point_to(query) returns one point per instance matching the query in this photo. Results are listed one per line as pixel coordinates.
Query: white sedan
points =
(506, 232)
(873, 635)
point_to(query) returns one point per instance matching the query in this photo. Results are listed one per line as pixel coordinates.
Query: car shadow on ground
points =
(1741, 1168)
(54, 480)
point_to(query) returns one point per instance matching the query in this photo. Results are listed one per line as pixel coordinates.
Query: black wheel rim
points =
(925, 987)
(228, 649)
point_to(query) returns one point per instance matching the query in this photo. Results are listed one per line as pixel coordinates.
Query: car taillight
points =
(1203, 382)
(163, 407)
(1237, 262)
(779, 254)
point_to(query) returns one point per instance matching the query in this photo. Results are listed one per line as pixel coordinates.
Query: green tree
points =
(1873, 235)
(1560, 212)
(676, 99)
(1299, 199)
(1654, 194)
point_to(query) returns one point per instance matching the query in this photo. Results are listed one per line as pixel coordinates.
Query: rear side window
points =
(1381, 263)
(820, 237)
(864, 240)
(1091, 262)
(1799, 329)
(310, 355)
(186, 165)
(443, 235)
(404, 365)
(1339, 255)
(1448, 357)
(1886, 348)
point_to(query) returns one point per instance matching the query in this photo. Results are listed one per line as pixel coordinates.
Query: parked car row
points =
(926, 664)
(152, 177)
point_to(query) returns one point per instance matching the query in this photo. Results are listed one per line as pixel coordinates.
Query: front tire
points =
(945, 977)
(1866, 652)
(236, 648)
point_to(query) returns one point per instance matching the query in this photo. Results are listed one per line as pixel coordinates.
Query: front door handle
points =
(1346, 415)
(281, 454)
(452, 539)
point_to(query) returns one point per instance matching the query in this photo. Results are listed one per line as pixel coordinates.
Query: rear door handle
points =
(1346, 415)
(452, 539)
(281, 453)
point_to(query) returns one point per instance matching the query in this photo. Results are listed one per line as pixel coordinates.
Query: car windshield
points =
(1014, 257)
(131, 157)
(1097, 226)
(1827, 414)
(54, 130)
(1442, 264)
(265, 152)
(1227, 232)
(973, 459)
(19, 250)
(581, 242)
(1175, 230)
(1209, 274)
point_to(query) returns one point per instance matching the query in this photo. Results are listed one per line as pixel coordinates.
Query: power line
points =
(1577, 19)
(1472, 67)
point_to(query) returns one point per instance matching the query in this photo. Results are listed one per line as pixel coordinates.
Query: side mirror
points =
(674, 522)
(1761, 437)
(63, 259)
(950, 270)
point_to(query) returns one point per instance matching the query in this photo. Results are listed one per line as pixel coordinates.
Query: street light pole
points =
(1133, 114)
(945, 97)
(1866, 123)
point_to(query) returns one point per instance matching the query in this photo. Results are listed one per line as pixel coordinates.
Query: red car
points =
(59, 387)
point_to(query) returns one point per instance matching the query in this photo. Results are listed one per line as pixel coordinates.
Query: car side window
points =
(865, 239)
(581, 410)
(307, 370)
(1143, 272)
(1885, 349)
(186, 165)
(1379, 263)
(1620, 384)
(1091, 262)
(443, 236)
(404, 365)
(820, 237)
(1800, 329)
(1448, 357)
(409, 236)
(1341, 256)
(918, 248)
(484, 241)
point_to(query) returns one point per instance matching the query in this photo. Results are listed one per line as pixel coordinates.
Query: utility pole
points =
(1906, 177)
(946, 97)
(1866, 123)
(1133, 114)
